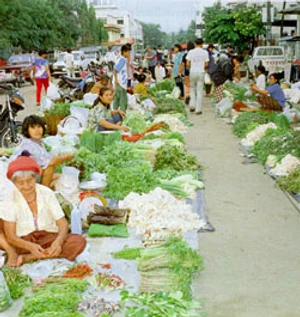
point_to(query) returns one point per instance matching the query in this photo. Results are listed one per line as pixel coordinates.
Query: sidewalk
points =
(252, 260)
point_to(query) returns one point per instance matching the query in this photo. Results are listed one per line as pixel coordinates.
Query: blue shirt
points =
(40, 67)
(152, 61)
(177, 62)
(121, 69)
(276, 93)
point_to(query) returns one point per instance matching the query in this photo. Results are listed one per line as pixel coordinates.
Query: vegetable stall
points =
(271, 139)
(142, 216)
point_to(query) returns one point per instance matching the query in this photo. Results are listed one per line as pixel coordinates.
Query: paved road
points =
(252, 260)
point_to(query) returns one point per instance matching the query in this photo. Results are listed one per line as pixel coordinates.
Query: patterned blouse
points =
(98, 113)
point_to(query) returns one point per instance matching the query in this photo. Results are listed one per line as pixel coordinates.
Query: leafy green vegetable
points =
(136, 121)
(61, 109)
(291, 183)
(277, 142)
(160, 304)
(55, 298)
(174, 135)
(132, 177)
(162, 88)
(95, 141)
(176, 158)
(16, 281)
(128, 254)
(165, 105)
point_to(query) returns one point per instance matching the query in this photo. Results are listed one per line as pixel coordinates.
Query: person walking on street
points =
(120, 80)
(211, 67)
(69, 62)
(41, 73)
(189, 46)
(197, 61)
(177, 70)
(151, 57)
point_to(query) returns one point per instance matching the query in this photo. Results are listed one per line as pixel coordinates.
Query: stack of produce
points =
(159, 212)
(166, 105)
(16, 281)
(163, 88)
(108, 216)
(248, 121)
(54, 298)
(169, 267)
(256, 134)
(174, 123)
(136, 122)
(159, 305)
(288, 164)
(277, 142)
(291, 183)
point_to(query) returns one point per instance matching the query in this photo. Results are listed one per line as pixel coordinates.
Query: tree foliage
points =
(237, 27)
(153, 35)
(48, 24)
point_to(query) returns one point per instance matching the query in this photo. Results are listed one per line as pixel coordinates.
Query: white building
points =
(116, 20)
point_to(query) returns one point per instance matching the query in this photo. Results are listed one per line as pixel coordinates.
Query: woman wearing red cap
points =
(34, 223)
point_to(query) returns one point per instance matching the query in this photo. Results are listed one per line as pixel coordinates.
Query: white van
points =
(59, 67)
(272, 57)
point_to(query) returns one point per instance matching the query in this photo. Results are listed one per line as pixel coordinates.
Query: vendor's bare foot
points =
(12, 259)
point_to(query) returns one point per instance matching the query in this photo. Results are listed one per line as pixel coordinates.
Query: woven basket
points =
(52, 121)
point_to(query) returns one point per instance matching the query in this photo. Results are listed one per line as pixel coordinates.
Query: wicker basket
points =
(52, 121)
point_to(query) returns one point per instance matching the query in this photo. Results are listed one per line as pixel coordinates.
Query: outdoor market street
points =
(251, 260)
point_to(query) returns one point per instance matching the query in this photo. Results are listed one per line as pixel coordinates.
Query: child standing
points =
(120, 80)
(160, 72)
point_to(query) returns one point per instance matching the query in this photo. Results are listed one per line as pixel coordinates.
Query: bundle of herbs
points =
(176, 158)
(136, 122)
(277, 142)
(165, 105)
(173, 262)
(60, 109)
(159, 304)
(55, 297)
(128, 254)
(16, 281)
(291, 183)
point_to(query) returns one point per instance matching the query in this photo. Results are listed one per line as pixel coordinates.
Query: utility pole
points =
(269, 25)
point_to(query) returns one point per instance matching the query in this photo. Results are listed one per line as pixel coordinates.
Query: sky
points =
(170, 14)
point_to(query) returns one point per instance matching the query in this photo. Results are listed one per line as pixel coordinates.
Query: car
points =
(59, 67)
(21, 66)
(272, 57)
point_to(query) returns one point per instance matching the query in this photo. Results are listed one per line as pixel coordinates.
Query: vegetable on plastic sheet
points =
(5, 298)
(174, 123)
(256, 134)
(286, 166)
(291, 183)
(159, 212)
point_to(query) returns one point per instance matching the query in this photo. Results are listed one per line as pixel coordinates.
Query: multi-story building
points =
(120, 24)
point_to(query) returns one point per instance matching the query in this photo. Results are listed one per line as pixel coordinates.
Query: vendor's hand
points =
(122, 113)
(66, 156)
(37, 250)
(55, 248)
(124, 128)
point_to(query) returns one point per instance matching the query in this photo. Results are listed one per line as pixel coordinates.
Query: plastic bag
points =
(89, 98)
(224, 107)
(82, 114)
(176, 92)
(5, 298)
(46, 103)
(53, 92)
(148, 104)
(207, 79)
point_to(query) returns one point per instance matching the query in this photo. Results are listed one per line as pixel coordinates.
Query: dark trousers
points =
(152, 70)
(115, 119)
(179, 84)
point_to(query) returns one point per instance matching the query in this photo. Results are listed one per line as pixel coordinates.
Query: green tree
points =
(237, 27)
(153, 35)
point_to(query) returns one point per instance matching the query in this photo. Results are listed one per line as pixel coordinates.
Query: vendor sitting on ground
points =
(271, 99)
(140, 88)
(33, 129)
(103, 82)
(101, 118)
(34, 223)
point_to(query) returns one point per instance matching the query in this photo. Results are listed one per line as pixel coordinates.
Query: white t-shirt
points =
(49, 211)
(198, 57)
(261, 82)
(110, 57)
(160, 73)
(121, 68)
(69, 60)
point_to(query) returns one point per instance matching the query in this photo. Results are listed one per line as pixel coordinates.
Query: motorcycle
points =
(74, 88)
(10, 128)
